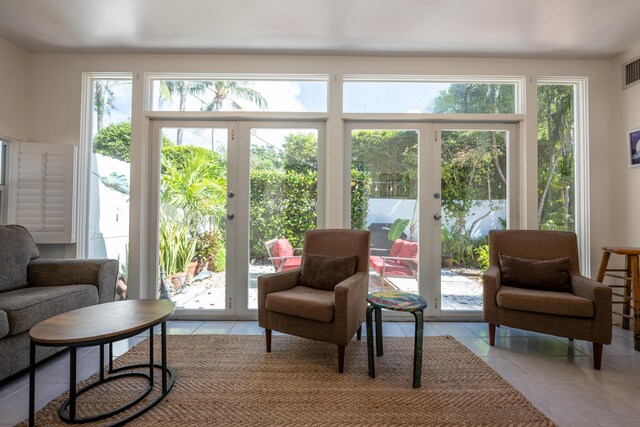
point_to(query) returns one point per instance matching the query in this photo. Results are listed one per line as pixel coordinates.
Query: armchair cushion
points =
(18, 249)
(302, 301)
(535, 301)
(325, 272)
(543, 275)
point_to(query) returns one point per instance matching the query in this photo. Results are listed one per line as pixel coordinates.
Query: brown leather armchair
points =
(583, 311)
(330, 316)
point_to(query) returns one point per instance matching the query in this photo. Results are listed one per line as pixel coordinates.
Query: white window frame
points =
(4, 152)
(84, 155)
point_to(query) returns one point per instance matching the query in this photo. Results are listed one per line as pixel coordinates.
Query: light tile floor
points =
(555, 374)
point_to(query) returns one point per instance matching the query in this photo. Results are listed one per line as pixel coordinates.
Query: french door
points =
(429, 193)
(223, 192)
(475, 175)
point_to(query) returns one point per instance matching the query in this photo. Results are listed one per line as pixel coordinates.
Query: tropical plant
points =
(396, 229)
(102, 100)
(177, 248)
(182, 88)
(482, 261)
(115, 141)
(556, 155)
(231, 91)
(210, 249)
(195, 186)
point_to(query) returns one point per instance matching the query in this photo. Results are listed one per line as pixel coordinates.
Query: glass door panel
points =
(384, 200)
(195, 235)
(283, 203)
(475, 198)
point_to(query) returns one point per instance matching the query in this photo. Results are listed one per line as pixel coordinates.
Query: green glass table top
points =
(397, 300)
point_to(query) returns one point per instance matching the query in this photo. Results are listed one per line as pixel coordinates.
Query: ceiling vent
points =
(631, 73)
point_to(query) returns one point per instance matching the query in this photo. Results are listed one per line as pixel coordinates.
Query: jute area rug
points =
(230, 380)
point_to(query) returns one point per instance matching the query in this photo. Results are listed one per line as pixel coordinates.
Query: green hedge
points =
(283, 204)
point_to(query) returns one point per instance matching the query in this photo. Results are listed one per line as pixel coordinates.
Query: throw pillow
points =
(543, 275)
(325, 272)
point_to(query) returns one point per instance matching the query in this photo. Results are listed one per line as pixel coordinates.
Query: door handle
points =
(437, 216)
(230, 216)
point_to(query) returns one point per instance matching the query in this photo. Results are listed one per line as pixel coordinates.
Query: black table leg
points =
(72, 384)
(101, 362)
(32, 384)
(110, 357)
(163, 334)
(379, 351)
(417, 350)
(151, 356)
(370, 358)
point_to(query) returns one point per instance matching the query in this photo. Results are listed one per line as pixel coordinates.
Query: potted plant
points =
(447, 247)
(177, 249)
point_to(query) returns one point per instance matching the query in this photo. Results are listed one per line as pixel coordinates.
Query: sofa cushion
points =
(302, 301)
(544, 275)
(27, 306)
(4, 324)
(325, 272)
(17, 248)
(547, 302)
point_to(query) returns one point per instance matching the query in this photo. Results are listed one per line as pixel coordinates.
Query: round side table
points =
(396, 301)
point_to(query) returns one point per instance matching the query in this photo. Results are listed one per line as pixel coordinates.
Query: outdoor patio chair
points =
(281, 254)
(402, 261)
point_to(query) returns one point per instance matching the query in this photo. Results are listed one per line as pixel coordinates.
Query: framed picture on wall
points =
(634, 148)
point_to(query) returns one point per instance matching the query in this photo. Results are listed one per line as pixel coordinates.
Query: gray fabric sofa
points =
(33, 289)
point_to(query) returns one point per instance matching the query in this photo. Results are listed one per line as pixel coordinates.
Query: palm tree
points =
(183, 88)
(224, 90)
(102, 100)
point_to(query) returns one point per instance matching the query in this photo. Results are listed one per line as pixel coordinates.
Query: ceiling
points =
(499, 28)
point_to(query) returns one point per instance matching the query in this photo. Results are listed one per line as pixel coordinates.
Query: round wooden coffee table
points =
(99, 325)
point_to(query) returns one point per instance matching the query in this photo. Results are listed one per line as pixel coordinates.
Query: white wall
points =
(625, 184)
(56, 88)
(15, 91)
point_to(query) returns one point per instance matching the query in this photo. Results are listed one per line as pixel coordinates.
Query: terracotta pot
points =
(177, 279)
(191, 268)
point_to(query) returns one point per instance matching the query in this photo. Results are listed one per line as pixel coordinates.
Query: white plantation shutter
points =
(42, 190)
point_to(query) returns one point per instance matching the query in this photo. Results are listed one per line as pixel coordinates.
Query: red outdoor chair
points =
(281, 254)
(402, 261)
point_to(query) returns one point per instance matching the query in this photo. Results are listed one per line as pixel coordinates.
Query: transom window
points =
(233, 94)
(429, 97)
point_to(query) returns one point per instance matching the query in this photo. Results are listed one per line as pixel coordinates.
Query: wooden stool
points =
(630, 287)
